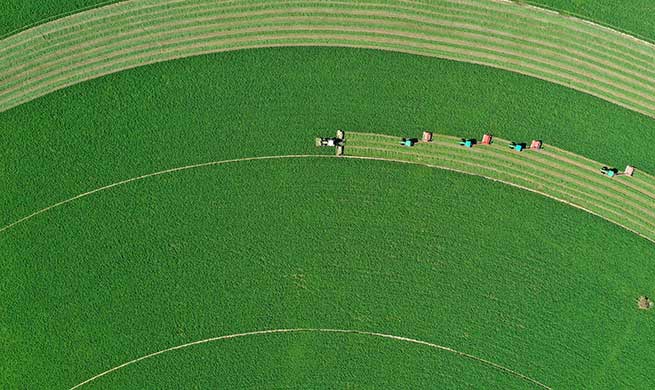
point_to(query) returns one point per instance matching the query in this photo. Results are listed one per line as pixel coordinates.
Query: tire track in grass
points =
(477, 359)
(646, 231)
(159, 173)
(460, 162)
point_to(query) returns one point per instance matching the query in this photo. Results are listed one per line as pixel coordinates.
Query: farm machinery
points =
(610, 172)
(408, 142)
(518, 146)
(536, 144)
(470, 142)
(337, 142)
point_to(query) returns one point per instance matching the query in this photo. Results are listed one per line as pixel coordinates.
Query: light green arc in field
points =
(569, 178)
(628, 202)
(519, 38)
(320, 330)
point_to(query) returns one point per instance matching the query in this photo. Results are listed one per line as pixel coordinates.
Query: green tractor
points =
(468, 142)
(519, 147)
(610, 172)
(409, 142)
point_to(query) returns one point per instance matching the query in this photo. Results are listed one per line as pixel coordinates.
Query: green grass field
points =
(188, 227)
(501, 274)
(410, 251)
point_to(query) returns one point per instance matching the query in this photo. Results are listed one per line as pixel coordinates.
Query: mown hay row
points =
(98, 42)
(548, 172)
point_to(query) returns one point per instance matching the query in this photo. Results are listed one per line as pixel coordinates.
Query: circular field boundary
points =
(628, 202)
(321, 330)
(487, 164)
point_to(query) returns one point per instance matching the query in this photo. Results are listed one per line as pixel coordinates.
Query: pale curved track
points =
(564, 50)
(628, 202)
(320, 330)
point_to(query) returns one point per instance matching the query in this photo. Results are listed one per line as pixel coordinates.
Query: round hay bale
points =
(644, 302)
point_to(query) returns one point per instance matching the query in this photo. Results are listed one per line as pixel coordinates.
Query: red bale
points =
(629, 170)
(486, 139)
(536, 144)
(427, 136)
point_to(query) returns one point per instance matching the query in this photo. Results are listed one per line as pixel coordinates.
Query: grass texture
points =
(446, 258)
(455, 260)
(18, 15)
(567, 51)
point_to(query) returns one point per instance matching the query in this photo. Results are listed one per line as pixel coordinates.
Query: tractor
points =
(468, 142)
(610, 172)
(517, 146)
(327, 141)
(409, 142)
(331, 141)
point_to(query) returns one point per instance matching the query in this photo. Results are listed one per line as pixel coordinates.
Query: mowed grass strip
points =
(504, 175)
(203, 14)
(622, 200)
(514, 171)
(98, 42)
(446, 18)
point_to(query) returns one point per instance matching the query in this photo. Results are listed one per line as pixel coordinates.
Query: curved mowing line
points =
(211, 163)
(323, 330)
(126, 181)
(519, 186)
(58, 16)
(585, 73)
(113, 35)
(558, 179)
(601, 190)
(471, 22)
(514, 178)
